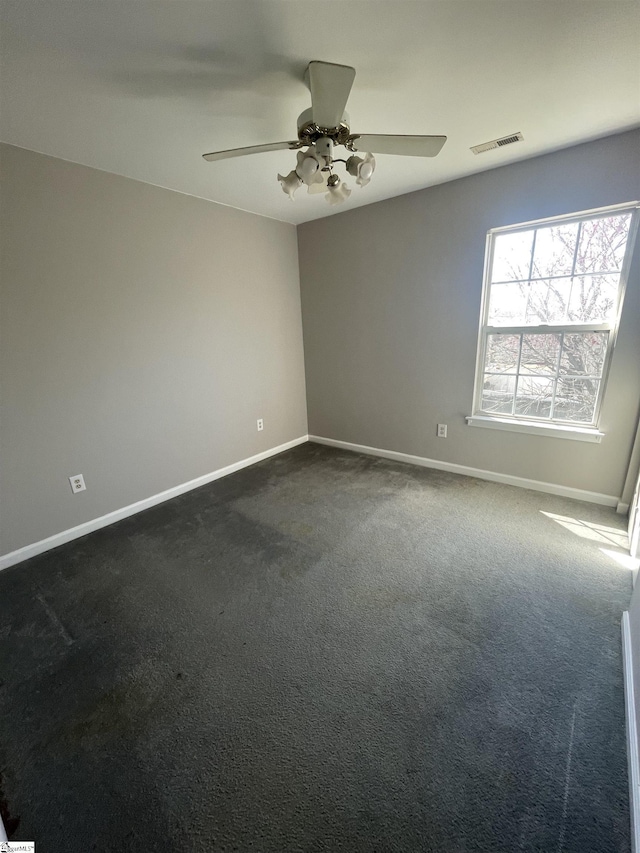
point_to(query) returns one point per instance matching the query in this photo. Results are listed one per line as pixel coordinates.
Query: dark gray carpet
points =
(324, 652)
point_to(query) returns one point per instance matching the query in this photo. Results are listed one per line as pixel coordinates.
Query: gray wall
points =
(391, 302)
(143, 332)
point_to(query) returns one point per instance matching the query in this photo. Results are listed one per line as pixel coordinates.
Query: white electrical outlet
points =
(260, 424)
(77, 483)
(442, 430)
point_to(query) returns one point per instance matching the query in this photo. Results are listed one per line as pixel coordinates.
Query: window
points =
(552, 297)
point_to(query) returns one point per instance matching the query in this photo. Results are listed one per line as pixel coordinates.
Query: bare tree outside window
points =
(553, 299)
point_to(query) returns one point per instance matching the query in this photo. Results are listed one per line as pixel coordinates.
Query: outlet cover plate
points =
(77, 483)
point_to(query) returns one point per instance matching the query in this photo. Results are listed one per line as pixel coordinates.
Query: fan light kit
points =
(326, 125)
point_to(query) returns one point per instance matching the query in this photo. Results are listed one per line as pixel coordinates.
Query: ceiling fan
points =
(326, 125)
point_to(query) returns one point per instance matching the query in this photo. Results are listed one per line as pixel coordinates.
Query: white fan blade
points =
(252, 149)
(330, 85)
(412, 146)
(314, 189)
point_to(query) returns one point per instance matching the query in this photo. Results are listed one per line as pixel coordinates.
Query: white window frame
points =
(546, 426)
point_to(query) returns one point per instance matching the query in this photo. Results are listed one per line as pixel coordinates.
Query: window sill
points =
(575, 433)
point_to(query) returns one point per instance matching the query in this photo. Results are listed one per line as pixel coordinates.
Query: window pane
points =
(507, 304)
(534, 397)
(602, 244)
(545, 286)
(497, 394)
(512, 256)
(502, 353)
(583, 353)
(593, 299)
(554, 250)
(576, 399)
(540, 354)
(548, 301)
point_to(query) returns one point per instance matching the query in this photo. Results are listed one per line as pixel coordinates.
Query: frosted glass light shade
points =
(308, 170)
(309, 166)
(361, 168)
(321, 187)
(290, 183)
(338, 194)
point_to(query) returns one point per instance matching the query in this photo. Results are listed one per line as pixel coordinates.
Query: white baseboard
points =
(43, 545)
(494, 476)
(632, 734)
(621, 508)
(95, 524)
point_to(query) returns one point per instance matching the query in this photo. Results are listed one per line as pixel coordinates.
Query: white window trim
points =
(549, 428)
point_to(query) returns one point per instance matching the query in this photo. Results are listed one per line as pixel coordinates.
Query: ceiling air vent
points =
(497, 143)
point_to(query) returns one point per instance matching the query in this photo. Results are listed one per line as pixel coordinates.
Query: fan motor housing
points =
(309, 132)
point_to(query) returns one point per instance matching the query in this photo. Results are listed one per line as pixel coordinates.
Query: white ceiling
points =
(143, 89)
